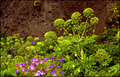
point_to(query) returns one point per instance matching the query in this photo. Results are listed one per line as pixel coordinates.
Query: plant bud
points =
(75, 54)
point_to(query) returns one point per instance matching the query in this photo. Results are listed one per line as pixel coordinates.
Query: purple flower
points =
(25, 71)
(54, 74)
(51, 66)
(47, 69)
(45, 59)
(37, 74)
(61, 59)
(14, 51)
(22, 64)
(16, 65)
(58, 66)
(55, 61)
(41, 61)
(35, 61)
(42, 73)
(31, 67)
(107, 41)
(53, 70)
(16, 70)
(32, 42)
(61, 72)
(26, 62)
(52, 56)
(54, 65)
(23, 68)
(38, 71)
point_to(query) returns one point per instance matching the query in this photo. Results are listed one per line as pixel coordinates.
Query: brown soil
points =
(24, 18)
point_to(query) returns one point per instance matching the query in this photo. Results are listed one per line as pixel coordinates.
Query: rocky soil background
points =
(21, 16)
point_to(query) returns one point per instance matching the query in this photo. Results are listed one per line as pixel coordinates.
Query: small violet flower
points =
(42, 73)
(41, 61)
(61, 59)
(32, 42)
(16, 70)
(16, 65)
(51, 66)
(31, 67)
(47, 69)
(54, 74)
(22, 64)
(58, 66)
(25, 71)
(14, 51)
(23, 68)
(37, 74)
(53, 70)
(52, 56)
(45, 59)
(26, 62)
(38, 71)
(55, 61)
(61, 72)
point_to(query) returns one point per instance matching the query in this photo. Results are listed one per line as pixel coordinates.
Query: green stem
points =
(73, 32)
(84, 31)
(65, 30)
(79, 33)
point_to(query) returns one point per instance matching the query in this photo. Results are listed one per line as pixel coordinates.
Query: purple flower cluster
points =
(32, 42)
(12, 49)
(36, 62)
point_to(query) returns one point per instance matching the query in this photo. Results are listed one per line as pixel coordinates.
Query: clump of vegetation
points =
(74, 54)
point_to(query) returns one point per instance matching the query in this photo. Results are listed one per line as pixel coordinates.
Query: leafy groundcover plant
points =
(73, 54)
(40, 67)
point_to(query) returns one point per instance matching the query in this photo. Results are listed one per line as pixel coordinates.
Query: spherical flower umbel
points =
(88, 12)
(50, 35)
(94, 20)
(76, 16)
(58, 22)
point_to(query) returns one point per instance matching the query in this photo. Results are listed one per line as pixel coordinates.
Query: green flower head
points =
(88, 12)
(76, 16)
(68, 23)
(58, 22)
(29, 38)
(94, 20)
(83, 25)
(36, 39)
(101, 54)
(50, 35)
